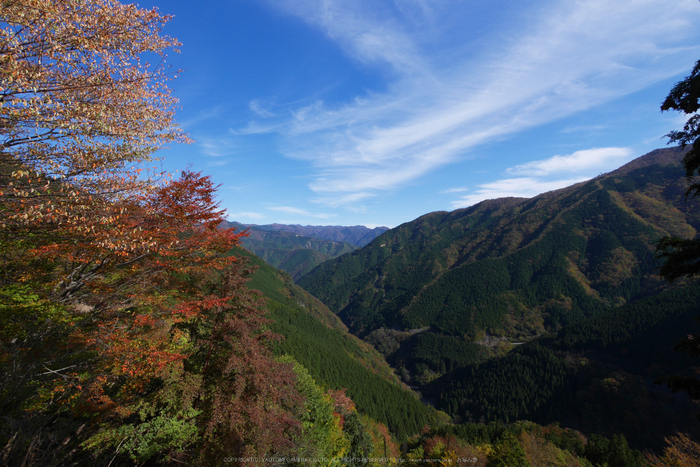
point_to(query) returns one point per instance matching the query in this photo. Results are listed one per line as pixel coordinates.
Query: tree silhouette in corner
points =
(682, 256)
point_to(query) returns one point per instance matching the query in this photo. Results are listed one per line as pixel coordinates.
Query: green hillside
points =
(548, 309)
(316, 338)
(512, 267)
(596, 376)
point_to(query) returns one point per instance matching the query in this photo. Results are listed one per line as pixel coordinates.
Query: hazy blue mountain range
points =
(291, 252)
(357, 235)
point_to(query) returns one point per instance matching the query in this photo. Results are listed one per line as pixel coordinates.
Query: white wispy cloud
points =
(597, 159)
(239, 216)
(299, 212)
(460, 189)
(369, 31)
(443, 98)
(259, 108)
(524, 187)
(540, 176)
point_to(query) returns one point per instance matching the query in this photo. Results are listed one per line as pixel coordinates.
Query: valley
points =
(297, 249)
(547, 309)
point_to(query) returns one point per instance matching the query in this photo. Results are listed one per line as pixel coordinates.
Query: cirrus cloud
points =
(597, 159)
(299, 212)
(524, 187)
(540, 176)
(444, 97)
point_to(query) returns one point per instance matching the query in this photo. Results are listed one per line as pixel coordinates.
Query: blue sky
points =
(346, 112)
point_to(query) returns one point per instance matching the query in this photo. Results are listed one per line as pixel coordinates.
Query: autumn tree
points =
(681, 451)
(78, 111)
(79, 108)
(200, 376)
(126, 321)
(119, 332)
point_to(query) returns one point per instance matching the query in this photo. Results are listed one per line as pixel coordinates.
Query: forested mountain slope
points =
(337, 360)
(596, 376)
(516, 267)
(450, 298)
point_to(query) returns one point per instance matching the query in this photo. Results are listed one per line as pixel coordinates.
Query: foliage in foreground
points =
(522, 444)
(128, 332)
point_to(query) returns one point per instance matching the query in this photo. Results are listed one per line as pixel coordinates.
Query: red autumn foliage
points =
(249, 398)
(146, 304)
(343, 403)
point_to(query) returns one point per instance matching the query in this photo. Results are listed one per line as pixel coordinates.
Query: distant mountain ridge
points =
(288, 251)
(298, 249)
(357, 235)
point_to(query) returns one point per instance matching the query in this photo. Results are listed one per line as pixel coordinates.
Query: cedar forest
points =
(135, 330)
